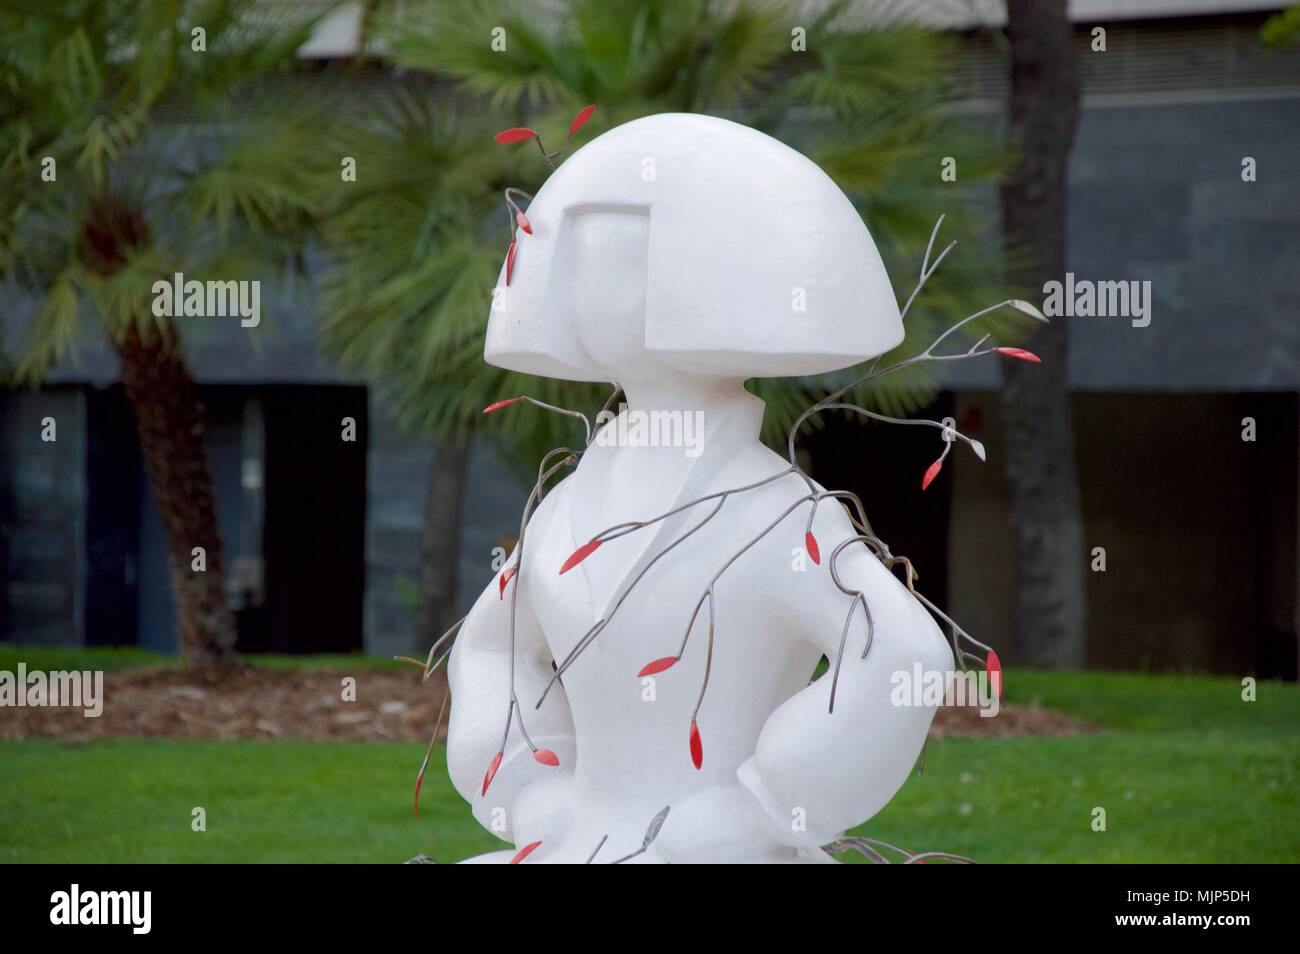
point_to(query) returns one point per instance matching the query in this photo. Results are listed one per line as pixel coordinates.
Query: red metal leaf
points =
(524, 223)
(993, 665)
(506, 574)
(524, 852)
(659, 665)
(810, 544)
(931, 472)
(697, 746)
(1020, 353)
(492, 771)
(580, 554)
(546, 757)
(500, 404)
(583, 115)
(516, 134)
(419, 780)
(510, 261)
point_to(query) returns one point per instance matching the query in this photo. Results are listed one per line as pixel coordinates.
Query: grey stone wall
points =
(1156, 194)
(42, 517)
(396, 481)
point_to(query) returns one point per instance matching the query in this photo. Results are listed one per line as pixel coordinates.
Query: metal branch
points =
(592, 633)
(561, 410)
(858, 597)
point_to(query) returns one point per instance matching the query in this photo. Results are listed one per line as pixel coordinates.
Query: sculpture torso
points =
(632, 733)
(776, 614)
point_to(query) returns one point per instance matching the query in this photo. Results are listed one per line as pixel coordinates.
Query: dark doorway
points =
(113, 480)
(314, 529)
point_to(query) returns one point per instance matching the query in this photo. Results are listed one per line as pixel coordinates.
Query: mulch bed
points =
(245, 703)
(965, 721)
(390, 706)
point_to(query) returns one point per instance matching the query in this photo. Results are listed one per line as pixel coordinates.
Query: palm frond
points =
(417, 247)
(54, 328)
(503, 52)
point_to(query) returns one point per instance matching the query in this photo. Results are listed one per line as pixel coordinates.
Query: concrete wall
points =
(42, 517)
(396, 482)
(1156, 194)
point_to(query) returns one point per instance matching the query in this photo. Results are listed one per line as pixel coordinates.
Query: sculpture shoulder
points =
(805, 588)
(755, 463)
(551, 511)
(489, 603)
(553, 502)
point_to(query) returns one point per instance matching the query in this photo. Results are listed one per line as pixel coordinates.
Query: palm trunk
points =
(1050, 557)
(169, 421)
(440, 541)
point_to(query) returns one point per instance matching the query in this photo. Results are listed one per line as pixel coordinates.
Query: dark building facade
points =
(1198, 526)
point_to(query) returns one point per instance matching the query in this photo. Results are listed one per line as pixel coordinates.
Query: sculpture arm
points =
(815, 774)
(479, 677)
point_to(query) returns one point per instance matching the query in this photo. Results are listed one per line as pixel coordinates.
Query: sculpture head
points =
(693, 243)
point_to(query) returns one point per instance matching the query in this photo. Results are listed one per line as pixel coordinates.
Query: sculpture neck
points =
(725, 407)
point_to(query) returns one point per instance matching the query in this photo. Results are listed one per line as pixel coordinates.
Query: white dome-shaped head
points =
(715, 248)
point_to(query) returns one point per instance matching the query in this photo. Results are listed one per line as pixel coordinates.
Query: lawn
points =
(123, 657)
(1184, 769)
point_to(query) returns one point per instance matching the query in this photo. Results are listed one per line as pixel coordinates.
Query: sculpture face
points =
(609, 253)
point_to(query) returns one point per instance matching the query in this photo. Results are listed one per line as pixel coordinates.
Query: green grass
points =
(132, 800)
(56, 658)
(1143, 702)
(1178, 796)
(1185, 770)
(112, 658)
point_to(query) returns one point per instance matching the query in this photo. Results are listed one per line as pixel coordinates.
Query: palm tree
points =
(416, 247)
(99, 199)
(1041, 470)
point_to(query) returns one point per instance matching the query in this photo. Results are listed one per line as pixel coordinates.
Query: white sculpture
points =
(676, 256)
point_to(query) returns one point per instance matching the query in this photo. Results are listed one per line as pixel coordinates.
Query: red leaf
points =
(810, 544)
(510, 261)
(506, 574)
(659, 665)
(419, 780)
(524, 852)
(1020, 353)
(517, 134)
(697, 746)
(546, 757)
(492, 771)
(994, 667)
(524, 223)
(580, 554)
(500, 404)
(931, 472)
(583, 115)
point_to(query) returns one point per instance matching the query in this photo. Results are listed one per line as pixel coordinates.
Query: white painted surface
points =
(663, 303)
